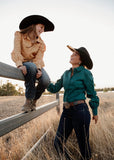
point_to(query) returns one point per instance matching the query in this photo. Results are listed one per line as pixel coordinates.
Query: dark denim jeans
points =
(77, 118)
(32, 90)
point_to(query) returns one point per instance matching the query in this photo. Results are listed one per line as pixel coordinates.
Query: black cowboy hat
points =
(84, 56)
(36, 19)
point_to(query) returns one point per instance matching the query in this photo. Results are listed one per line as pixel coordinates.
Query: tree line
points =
(9, 89)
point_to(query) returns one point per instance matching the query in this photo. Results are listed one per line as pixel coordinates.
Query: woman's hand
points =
(23, 69)
(38, 74)
(95, 118)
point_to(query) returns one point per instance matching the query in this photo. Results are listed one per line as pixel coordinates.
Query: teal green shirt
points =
(77, 87)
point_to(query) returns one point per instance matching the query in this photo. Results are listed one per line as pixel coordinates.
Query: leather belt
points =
(70, 104)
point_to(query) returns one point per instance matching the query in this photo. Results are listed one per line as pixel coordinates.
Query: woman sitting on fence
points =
(28, 55)
(76, 81)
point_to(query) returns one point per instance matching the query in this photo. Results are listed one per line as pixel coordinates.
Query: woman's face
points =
(39, 29)
(75, 59)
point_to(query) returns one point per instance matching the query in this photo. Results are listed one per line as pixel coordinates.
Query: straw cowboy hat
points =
(36, 19)
(84, 56)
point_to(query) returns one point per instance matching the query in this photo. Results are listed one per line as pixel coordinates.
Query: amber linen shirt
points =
(25, 51)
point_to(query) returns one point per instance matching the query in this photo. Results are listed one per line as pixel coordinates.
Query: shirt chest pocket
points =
(30, 48)
(26, 44)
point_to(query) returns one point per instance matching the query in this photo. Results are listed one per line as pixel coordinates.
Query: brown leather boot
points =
(33, 106)
(27, 106)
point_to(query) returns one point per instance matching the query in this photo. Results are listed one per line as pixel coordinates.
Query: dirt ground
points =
(10, 105)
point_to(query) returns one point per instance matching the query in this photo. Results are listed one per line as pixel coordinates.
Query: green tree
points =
(20, 91)
(8, 90)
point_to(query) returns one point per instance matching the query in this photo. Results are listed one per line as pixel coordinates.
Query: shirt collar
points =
(78, 69)
(27, 37)
(39, 40)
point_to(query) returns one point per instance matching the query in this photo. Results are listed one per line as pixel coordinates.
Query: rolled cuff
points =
(19, 63)
(95, 111)
(39, 67)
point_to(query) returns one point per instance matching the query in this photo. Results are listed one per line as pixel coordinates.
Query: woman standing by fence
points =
(76, 81)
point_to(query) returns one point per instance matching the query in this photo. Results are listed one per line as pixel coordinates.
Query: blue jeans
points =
(77, 118)
(32, 90)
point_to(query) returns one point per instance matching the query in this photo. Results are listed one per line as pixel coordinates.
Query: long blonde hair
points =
(28, 30)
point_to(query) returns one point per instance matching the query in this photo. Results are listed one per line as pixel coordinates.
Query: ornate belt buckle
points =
(66, 105)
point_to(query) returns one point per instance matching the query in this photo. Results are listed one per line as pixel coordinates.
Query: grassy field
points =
(14, 145)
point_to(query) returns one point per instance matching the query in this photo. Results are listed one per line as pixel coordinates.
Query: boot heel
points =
(27, 106)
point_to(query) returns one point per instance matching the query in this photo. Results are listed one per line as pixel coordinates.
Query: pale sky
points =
(87, 23)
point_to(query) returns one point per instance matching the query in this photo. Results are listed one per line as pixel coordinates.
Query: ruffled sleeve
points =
(53, 88)
(16, 53)
(91, 93)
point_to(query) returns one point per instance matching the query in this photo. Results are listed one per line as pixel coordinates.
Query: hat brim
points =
(71, 48)
(84, 55)
(36, 19)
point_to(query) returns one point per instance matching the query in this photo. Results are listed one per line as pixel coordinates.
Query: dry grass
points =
(14, 145)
